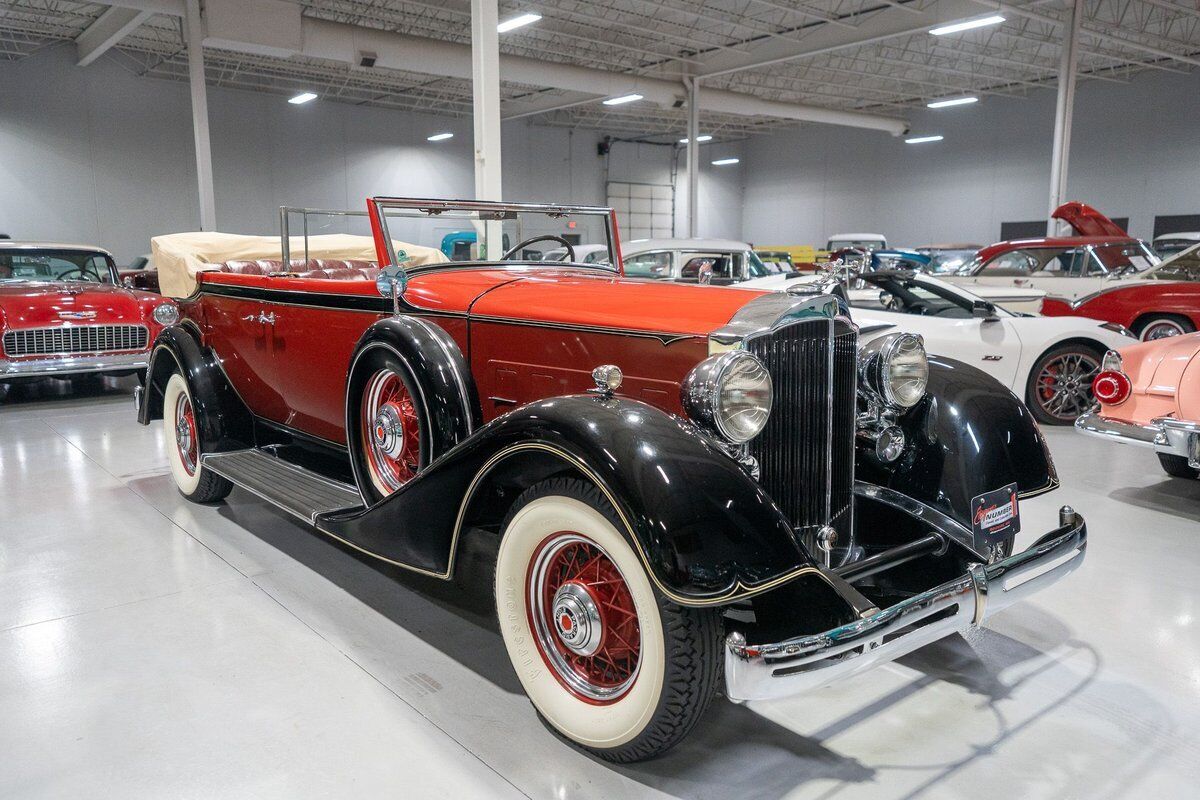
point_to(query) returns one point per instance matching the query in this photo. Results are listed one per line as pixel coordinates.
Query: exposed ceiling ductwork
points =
(274, 28)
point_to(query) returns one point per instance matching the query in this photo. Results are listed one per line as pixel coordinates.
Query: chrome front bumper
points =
(71, 365)
(795, 666)
(1164, 434)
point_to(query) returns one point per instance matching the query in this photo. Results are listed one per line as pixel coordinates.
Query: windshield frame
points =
(114, 278)
(385, 249)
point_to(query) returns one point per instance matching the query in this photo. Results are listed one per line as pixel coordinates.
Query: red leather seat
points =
(323, 268)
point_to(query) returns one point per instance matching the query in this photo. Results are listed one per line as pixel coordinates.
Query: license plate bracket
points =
(995, 517)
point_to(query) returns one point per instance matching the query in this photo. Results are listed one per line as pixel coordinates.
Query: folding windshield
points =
(487, 232)
(51, 265)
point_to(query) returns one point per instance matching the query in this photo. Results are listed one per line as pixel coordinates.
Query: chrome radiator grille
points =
(75, 339)
(806, 451)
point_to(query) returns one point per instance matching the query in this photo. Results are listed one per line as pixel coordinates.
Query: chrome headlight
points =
(894, 369)
(166, 314)
(730, 393)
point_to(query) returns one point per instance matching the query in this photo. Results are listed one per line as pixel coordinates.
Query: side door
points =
(1070, 273)
(1014, 268)
(241, 332)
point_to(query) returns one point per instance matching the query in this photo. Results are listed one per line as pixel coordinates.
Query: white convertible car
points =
(1049, 361)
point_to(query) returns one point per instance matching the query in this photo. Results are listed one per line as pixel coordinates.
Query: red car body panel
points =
(1126, 305)
(1087, 221)
(992, 250)
(537, 327)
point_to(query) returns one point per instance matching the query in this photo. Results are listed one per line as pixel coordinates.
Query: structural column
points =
(1063, 112)
(485, 88)
(693, 155)
(194, 31)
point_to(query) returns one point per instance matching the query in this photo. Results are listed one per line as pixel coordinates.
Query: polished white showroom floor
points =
(151, 648)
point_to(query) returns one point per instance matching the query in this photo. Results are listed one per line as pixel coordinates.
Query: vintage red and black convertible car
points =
(63, 314)
(692, 487)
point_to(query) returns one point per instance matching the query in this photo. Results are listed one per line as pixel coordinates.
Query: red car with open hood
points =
(687, 487)
(63, 313)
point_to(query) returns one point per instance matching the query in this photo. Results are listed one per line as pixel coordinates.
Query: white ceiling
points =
(825, 53)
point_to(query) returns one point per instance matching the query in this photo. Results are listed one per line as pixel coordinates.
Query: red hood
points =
(1087, 221)
(606, 301)
(37, 304)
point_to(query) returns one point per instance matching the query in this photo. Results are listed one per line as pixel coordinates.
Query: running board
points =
(298, 491)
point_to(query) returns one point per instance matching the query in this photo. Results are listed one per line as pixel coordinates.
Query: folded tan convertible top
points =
(179, 257)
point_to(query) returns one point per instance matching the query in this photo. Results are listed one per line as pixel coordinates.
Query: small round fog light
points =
(890, 444)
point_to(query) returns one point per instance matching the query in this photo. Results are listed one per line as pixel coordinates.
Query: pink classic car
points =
(1149, 395)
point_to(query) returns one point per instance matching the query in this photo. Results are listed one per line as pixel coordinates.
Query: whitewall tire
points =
(182, 440)
(609, 664)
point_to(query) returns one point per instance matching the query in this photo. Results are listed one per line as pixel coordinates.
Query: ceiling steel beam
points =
(879, 27)
(109, 28)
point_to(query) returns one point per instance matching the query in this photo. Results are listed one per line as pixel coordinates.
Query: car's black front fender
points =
(704, 529)
(223, 421)
(969, 435)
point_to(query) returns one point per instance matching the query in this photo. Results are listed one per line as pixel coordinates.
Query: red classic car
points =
(1098, 253)
(1161, 302)
(63, 314)
(689, 486)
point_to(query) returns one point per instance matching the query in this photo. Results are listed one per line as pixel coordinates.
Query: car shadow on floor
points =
(1177, 496)
(49, 393)
(732, 745)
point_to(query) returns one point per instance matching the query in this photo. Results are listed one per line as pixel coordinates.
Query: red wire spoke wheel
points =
(181, 438)
(391, 431)
(584, 618)
(610, 663)
(186, 440)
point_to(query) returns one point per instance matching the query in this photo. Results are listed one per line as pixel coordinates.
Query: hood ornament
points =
(76, 314)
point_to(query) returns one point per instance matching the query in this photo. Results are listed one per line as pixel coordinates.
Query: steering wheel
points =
(83, 274)
(548, 237)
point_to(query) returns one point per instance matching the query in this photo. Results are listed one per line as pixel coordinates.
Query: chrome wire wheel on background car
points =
(583, 617)
(609, 663)
(181, 438)
(1060, 384)
(1164, 326)
(391, 431)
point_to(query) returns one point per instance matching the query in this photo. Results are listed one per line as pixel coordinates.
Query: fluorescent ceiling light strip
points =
(704, 137)
(625, 98)
(302, 98)
(721, 162)
(957, 101)
(517, 22)
(922, 139)
(970, 24)
(437, 137)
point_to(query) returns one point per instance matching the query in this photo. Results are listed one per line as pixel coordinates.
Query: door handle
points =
(262, 319)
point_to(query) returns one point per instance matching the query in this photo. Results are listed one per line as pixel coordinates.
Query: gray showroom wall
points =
(1135, 152)
(100, 155)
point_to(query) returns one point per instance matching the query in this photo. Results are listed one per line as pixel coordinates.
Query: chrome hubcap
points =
(577, 619)
(1161, 330)
(388, 430)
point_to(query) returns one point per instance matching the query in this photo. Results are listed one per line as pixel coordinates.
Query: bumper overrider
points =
(803, 663)
(71, 365)
(1164, 434)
